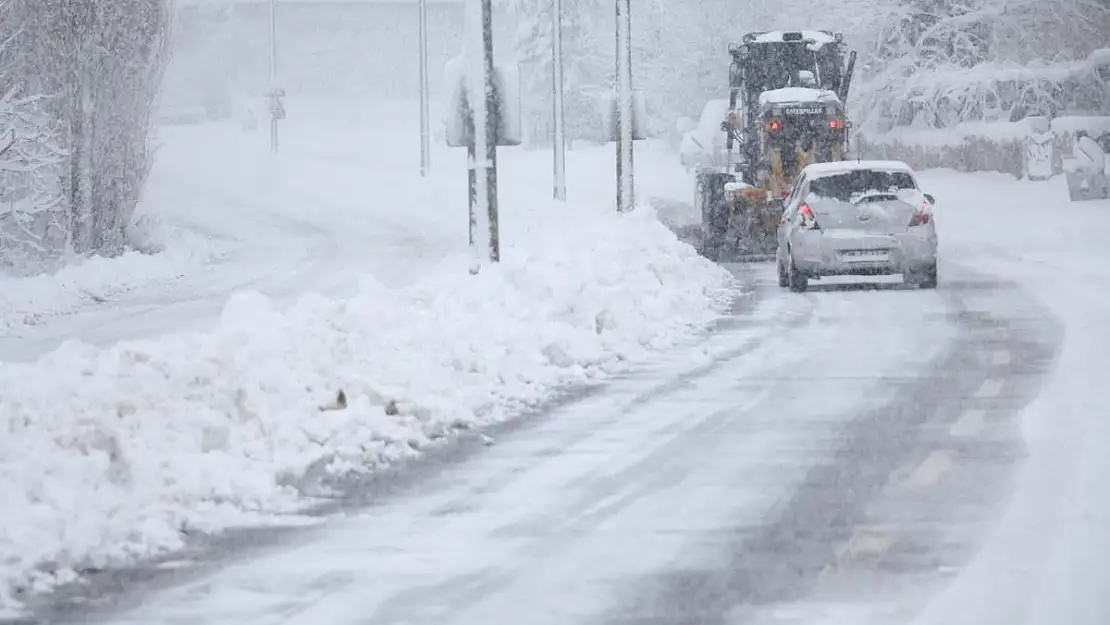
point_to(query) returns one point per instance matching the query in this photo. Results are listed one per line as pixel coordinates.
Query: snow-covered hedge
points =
(943, 96)
(996, 146)
(111, 455)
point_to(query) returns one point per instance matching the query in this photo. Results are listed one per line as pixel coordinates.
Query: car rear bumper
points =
(868, 255)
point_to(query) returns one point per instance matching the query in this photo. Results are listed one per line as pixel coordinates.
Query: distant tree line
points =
(78, 82)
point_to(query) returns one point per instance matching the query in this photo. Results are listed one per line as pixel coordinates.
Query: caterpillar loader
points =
(786, 110)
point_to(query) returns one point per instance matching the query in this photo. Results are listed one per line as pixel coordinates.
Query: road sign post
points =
(425, 142)
(560, 139)
(624, 116)
(483, 112)
(277, 109)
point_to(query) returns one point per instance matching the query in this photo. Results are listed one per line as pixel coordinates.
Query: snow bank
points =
(115, 454)
(166, 255)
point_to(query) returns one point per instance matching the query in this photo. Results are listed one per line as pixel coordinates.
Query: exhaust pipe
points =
(847, 81)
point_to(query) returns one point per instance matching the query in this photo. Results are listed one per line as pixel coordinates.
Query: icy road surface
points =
(841, 446)
(843, 456)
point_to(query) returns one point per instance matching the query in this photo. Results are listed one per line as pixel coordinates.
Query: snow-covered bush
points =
(972, 152)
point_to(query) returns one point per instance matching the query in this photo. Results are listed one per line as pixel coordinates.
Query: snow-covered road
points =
(848, 455)
(846, 446)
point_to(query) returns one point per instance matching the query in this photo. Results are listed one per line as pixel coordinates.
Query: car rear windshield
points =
(843, 186)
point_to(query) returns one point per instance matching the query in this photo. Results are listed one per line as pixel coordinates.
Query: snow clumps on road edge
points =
(111, 455)
(160, 255)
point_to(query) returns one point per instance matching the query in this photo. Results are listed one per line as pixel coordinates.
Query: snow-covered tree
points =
(942, 62)
(86, 73)
(32, 224)
(587, 60)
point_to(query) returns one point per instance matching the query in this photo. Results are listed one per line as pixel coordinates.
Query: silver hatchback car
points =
(857, 218)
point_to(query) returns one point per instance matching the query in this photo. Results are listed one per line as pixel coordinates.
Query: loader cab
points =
(788, 88)
(772, 60)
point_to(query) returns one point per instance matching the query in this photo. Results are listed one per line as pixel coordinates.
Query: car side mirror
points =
(930, 199)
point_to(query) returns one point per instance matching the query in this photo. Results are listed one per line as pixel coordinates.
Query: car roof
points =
(820, 170)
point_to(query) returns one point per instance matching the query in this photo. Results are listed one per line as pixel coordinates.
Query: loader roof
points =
(819, 170)
(777, 36)
(790, 95)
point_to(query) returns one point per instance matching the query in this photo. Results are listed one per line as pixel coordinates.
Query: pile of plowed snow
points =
(108, 455)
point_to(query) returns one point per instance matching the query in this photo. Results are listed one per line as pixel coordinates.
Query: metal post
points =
(560, 142)
(425, 143)
(273, 74)
(493, 123)
(484, 118)
(625, 187)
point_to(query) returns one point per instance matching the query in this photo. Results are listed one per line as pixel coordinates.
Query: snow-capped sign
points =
(639, 115)
(506, 87)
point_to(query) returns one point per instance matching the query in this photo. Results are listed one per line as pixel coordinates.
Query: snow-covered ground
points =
(713, 488)
(110, 450)
(1045, 562)
(342, 199)
(345, 272)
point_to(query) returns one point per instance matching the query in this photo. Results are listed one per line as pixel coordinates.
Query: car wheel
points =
(923, 278)
(797, 280)
(784, 279)
(928, 278)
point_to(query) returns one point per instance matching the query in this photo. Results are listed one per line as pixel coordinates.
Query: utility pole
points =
(277, 110)
(484, 119)
(425, 143)
(625, 187)
(560, 142)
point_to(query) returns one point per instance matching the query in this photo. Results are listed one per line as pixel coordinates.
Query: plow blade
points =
(741, 231)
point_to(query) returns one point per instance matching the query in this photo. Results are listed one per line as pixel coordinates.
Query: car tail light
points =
(921, 216)
(834, 124)
(806, 217)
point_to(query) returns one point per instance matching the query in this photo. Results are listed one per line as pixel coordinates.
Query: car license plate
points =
(864, 255)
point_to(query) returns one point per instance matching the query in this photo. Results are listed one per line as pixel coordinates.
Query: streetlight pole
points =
(273, 78)
(425, 144)
(560, 142)
(625, 186)
(484, 119)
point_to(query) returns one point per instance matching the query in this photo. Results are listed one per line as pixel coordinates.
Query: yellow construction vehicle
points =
(786, 110)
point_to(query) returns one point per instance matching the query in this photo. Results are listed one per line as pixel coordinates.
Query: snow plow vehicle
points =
(786, 110)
